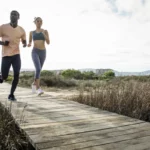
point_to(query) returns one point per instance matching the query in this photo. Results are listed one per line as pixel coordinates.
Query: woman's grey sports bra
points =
(38, 36)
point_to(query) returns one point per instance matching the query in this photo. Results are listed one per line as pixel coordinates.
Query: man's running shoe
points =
(1, 79)
(12, 98)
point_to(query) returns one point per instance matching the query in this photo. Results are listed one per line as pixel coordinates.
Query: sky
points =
(104, 34)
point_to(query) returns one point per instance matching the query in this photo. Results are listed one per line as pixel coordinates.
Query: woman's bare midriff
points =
(39, 44)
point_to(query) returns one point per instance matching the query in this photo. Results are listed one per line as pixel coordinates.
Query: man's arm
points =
(5, 43)
(24, 42)
(23, 38)
(1, 43)
(0, 31)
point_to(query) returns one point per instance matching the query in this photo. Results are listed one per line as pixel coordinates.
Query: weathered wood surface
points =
(52, 123)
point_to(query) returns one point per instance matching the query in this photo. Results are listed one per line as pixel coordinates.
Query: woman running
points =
(39, 37)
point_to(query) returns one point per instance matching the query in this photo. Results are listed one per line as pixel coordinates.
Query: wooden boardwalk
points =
(57, 124)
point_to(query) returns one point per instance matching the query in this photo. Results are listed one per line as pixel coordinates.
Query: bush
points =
(9, 79)
(47, 73)
(135, 78)
(48, 79)
(109, 74)
(71, 73)
(76, 74)
(57, 81)
(89, 75)
(27, 73)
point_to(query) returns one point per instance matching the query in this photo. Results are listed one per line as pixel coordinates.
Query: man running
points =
(11, 33)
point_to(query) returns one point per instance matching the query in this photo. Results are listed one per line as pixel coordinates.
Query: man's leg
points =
(16, 64)
(5, 66)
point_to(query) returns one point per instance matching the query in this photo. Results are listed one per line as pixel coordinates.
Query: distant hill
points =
(117, 73)
(144, 73)
(101, 71)
(27, 70)
(97, 71)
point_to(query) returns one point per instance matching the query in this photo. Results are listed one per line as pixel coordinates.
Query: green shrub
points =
(89, 75)
(71, 73)
(57, 81)
(47, 79)
(9, 79)
(76, 74)
(109, 74)
(47, 73)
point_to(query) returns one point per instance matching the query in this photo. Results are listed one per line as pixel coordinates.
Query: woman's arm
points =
(30, 39)
(46, 35)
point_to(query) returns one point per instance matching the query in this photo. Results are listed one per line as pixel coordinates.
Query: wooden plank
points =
(117, 130)
(30, 115)
(141, 143)
(34, 110)
(48, 141)
(29, 118)
(104, 141)
(69, 118)
(73, 127)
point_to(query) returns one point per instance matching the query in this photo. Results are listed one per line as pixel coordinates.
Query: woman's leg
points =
(37, 83)
(42, 56)
(37, 64)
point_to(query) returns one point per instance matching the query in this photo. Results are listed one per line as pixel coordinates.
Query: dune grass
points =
(11, 136)
(130, 98)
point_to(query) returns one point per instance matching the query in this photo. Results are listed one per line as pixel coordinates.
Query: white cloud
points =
(89, 33)
(128, 5)
(138, 9)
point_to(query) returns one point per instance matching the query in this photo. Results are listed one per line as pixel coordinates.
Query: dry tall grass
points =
(130, 98)
(11, 136)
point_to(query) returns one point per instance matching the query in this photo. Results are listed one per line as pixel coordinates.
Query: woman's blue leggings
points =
(38, 57)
